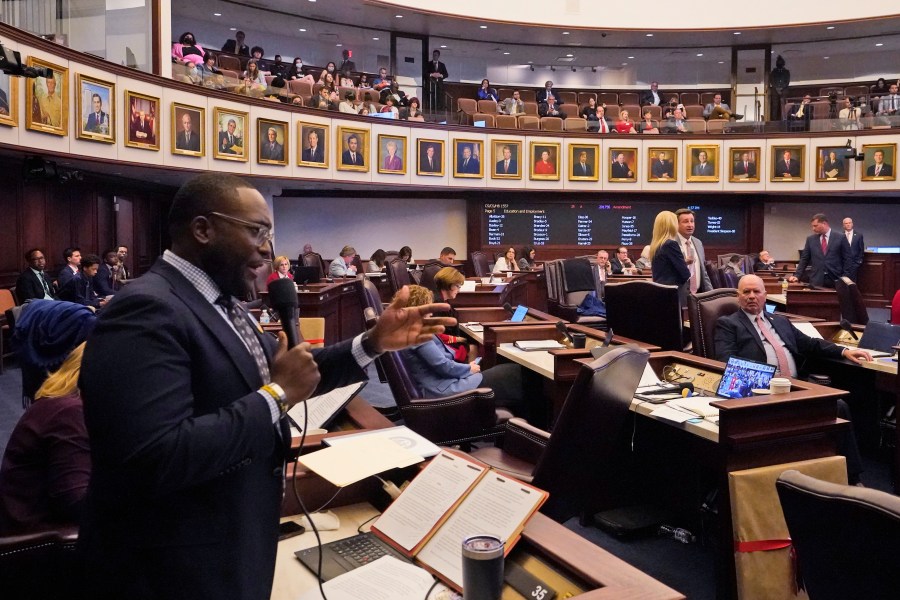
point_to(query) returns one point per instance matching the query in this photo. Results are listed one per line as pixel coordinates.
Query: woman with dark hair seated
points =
(376, 262)
(526, 261)
(187, 51)
(405, 254)
(433, 370)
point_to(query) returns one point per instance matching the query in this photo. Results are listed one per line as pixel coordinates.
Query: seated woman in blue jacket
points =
(435, 373)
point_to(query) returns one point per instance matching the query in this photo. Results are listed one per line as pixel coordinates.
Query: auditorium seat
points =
(612, 112)
(343, 91)
(529, 122)
(487, 106)
(693, 111)
(314, 259)
(575, 124)
(695, 125)
(371, 96)
(716, 126)
(486, 117)
(630, 305)
(634, 111)
(527, 96)
(568, 97)
(300, 88)
(608, 98)
(232, 63)
(821, 109)
(855, 91)
(690, 99)
(7, 301)
(837, 90)
(704, 310)
(39, 565)
(629, 98)
(655, 112)
(531, 107)
(507, 121)
(551, 124)
(504, 93)
(465, 108)
(584, 97)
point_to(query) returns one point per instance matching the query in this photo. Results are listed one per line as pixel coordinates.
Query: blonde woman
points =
(47, 463)
(282, 266)
(667, 261)
(625, 124)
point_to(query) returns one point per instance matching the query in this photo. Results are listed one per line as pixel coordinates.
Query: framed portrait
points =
(467, 158)
(47, 99)
(831, 163)
(623, 165)
(392, 154)
(703, 163)
(584, 162)
(9, 100)
(142, 121)
(272, 143)
(744, 165)
(353, 144)
(788, 163)
(312, 147)
(431, 157)
(188, 130)
(545, 161)
(230, 134)
(95, 106)
(663, 164)
(506, 156)
(878, 162)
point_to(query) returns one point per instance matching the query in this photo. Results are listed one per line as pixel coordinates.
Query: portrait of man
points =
(272, 140)
(583, 163)
(94, 109)
(312, 140)
(703, 163)
(431, 157)
(391, 154)
(744, 164)
(662, 164)
(467, 158)
(187, 123)
(142, 121)
(5, 95)
(47, 99)
(354, 143)
(231, 134)
(506, 159)
(544, 159)
(788, 163)
(831, 165)
(879, 162)
(624, 164)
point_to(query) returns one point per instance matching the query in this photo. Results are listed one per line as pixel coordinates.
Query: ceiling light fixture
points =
(232, 29)
(375, 39)
(565, 33)
(649, 35)
(630, 57)
(444, 46)
(217, 14)
(826, 57)
(338, 45)
(737, 33)
(830, 27)
(569, 55)
(879, 45)
(699, 54)
(624, 64)
(303, 30)
(399, 16)
(506, 54)
(483, 26)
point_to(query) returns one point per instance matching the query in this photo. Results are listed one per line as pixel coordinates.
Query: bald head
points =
(751, 294)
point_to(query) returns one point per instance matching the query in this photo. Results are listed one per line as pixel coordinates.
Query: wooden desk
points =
(488, 316)
(339, 303)
(813, 303)
(512, 290)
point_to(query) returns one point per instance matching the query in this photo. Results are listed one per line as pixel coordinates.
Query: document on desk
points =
(401, 435)
(384, 579)
(808, 328)
(357, 459)
(468, 286)
(670, 413)
(323, 408)
(535, 345)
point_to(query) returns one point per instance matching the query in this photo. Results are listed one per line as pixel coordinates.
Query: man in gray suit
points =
(694, 256)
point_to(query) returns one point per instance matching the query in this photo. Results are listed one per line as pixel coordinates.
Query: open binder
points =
(452, 498)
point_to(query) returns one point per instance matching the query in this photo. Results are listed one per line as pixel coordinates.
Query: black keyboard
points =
(345, 555)
(360, 549)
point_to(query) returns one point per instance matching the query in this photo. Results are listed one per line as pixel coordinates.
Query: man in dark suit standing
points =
(507, 165)
(188, 432)
(787, 167)
(745, 167)
(315, 152)
(271, 149)
(856, 248)
(352, 156)
(436, 73)
(237, 45)
(33, 283)
(826, 252)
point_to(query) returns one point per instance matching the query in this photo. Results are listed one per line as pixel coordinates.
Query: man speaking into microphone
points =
(186, 435)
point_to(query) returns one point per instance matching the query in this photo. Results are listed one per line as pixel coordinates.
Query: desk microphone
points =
(846, 326)
(283, 298)
(673, 388)
(508, 308)
(563, 330)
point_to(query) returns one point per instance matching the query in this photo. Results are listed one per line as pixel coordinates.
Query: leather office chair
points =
(575, 124)
(645, 311)
(398, 275)
(313, 259)
(853, 307)
(481, 263)
(568, 282)
(568, 98)
(729, 279)
(715, 279)
(38, 566)
(7, 302)
(575, 463)
(551, 124)
(845, 537)
(429, 270)
(704, 310)
(390, 255)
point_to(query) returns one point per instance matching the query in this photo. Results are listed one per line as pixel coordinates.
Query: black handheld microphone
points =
(508, 307)
(561, 328)
(283, 298)
(672, 388)
(846, 326)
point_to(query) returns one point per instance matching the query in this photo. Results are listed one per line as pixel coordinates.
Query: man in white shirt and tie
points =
(889, 104)
(603, 267)
(507, 166)
(879, 168)
(857, 248)
(187, 138)
(584, 168)
(692, 248)
(702, 168)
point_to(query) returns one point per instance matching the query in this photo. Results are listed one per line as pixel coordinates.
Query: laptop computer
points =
(879, 337)
(304, 275)
(342, 556)
(770, 307)
(742, 376)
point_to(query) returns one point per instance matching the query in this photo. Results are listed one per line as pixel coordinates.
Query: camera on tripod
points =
(11, 64)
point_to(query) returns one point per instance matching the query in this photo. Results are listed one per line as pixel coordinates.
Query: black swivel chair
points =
(398, 275)
(481, 263)
(38, 566)
(704, 310)
(645, 311)
(314, 259)
(853, 307)
(429, 270)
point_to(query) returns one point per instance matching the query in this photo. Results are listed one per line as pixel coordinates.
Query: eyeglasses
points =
(263, 234)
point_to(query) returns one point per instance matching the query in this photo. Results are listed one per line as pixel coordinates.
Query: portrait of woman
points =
(391, 154)
(544, 161)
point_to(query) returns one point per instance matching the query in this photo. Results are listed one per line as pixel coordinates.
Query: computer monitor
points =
(742, 376)
(304, 275)
(880, 337)
(770, 307)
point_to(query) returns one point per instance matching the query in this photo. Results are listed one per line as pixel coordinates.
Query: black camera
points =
(832, 97)
(11, 64)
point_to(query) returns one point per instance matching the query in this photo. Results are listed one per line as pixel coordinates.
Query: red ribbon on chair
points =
(318, 341)
(765, 546)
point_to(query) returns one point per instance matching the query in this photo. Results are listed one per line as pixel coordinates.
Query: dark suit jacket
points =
(544, 110)
(231, 46)
(739, 169)
(659, 168)
(669, 267)
(828, 165)
(621, 171)
(80, 290)
(310, 156)
(29, 287)
(855, 250)
(736, 336)
(541, 96)
(703, 169)
(104, 281)
(835, 262)
(886, 170)
(192, 144)
(647, 98)
(224, 146)
(473, 167)
(346, 159)
(64, 275)
(513, 167)
(93, 124)
(429, 69)
(583, 171)
(267, 153)
(781, 168)
(186, 488)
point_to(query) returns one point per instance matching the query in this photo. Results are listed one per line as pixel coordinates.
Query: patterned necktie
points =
(824, 244)
(692, 267)
(242, 324)
(780, 354)
(44, 283)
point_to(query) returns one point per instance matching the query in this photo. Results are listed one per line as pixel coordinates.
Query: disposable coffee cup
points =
(485, 280)
(780, 385)
(482, 566)
(578, 340)
(761, 391)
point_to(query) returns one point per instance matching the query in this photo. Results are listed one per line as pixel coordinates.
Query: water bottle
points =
(264, 317)
(784, 285)
(677, 533)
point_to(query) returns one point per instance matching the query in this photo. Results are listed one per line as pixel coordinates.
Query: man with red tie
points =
(825, 252)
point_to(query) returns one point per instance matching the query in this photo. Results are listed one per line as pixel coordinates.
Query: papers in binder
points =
(533, 345)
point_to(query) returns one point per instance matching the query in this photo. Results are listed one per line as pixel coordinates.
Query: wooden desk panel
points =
(814, 303)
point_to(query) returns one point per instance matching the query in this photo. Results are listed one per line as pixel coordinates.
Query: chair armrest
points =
(524, 441)
(566, 312)
(462, 416)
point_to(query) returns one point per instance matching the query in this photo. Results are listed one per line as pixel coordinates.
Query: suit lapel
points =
(751, 330)
(784, 329)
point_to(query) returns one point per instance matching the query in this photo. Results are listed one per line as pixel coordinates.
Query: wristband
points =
(277, 393)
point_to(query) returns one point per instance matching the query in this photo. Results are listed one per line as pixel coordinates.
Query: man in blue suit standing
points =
(189, 435)
(97, 121)
(826, 252)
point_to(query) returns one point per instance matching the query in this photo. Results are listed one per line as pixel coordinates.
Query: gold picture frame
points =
(388, 162)
(869, 165)
(9, 100)
(589, 168)
(353, 157)
(545, 161)
(832, 164)
(506, 167)
(271, 151)
(741, 170)
(141, 121)
(432, 166)
(312, 145)
(230, 142)
(662, 165)
(788, 164)
(188, 130)
(48, 110)
(92, 122)
(702, 163)
(468, 165)
(623, 165)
